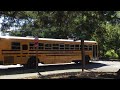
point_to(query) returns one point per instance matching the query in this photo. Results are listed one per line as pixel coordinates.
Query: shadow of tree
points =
(22, 70)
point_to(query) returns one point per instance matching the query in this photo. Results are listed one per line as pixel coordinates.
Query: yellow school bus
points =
(21, 50)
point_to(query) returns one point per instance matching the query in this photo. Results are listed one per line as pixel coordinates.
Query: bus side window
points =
(31, 45)
(77, 47)
(90, 48)
(61, 46)
(24, 47)
(48, 46)
(15, 45)
(80, 47)
(41, 46)
(66, 46)
(85, 47)
(55, 46)
(71, 47)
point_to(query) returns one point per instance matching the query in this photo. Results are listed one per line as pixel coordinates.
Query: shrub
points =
(111, 54)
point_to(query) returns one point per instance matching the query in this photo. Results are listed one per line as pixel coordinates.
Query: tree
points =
(66, 24)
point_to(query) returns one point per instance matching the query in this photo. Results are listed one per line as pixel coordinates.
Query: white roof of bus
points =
(51, 39)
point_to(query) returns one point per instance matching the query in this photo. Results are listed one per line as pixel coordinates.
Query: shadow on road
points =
(22, 70)
(93, 65)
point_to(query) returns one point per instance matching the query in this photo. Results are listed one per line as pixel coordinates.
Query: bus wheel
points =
(31, 62)
(87, 59)
(25, 65)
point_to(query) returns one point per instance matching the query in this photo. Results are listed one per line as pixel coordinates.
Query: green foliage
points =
(66, 23)
(118, 52)
(111, 54)
(102, 26)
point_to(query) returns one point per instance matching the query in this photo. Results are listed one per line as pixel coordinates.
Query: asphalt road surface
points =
(19, 72)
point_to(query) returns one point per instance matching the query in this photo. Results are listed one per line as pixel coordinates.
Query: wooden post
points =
(82, 54)
(36, 46)
(36, 58)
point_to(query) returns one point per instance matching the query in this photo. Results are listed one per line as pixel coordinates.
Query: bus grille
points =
(8, 60)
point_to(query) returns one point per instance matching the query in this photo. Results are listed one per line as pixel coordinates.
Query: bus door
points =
(95, 51)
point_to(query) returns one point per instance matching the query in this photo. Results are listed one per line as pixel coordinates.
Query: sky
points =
(1, 21)
(0, 26)
(1, 34)
(11, 28)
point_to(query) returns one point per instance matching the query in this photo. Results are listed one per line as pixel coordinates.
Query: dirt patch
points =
(80, 75)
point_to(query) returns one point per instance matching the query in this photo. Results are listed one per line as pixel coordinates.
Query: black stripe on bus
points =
(11, 53)
(25, 53)
(46, 50)
(56, 50)
(61, 55)
(11, 50)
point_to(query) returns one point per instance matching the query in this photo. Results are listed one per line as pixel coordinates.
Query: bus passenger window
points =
(80, 47)
(67, 46)
(15, 45)
(47, 46)
(61, 46)
(31, 45)
(90, 47)
(85, 47)
(41, 46)
(55, 46)
(24, 47)
(76, 47)
(72, 47)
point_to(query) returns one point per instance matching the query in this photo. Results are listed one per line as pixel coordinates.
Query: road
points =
(18, 72)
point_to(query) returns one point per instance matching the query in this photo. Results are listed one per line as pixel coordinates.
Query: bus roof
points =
(50, 39)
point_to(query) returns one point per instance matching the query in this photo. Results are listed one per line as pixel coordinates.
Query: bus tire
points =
(25, 65)
(87, 59)
(32, 62)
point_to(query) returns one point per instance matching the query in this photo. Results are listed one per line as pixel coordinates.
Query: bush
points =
(118, 52)
(111, 54)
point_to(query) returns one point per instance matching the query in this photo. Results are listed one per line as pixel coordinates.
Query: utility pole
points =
(36, 47)
(82, 54)
(36, 58)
